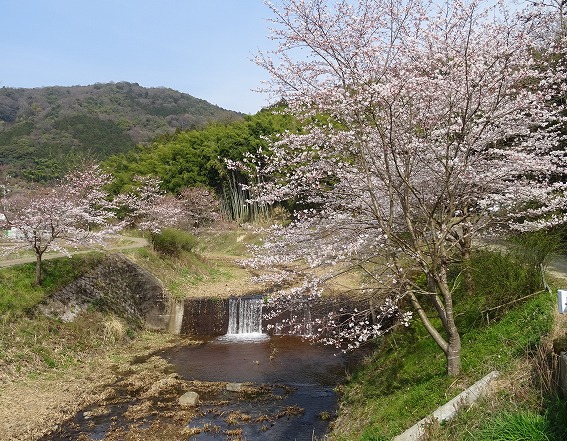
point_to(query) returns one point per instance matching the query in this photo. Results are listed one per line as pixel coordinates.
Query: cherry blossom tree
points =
(427, 124)
(201, 206)
(75, 213)
(147, 207)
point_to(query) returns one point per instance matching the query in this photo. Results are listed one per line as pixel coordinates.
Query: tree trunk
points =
(450, 342)
(453, 348)
(466, 249)
(38, 268)
(453, 355)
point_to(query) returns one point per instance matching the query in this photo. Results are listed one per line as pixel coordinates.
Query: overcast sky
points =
(200, 47)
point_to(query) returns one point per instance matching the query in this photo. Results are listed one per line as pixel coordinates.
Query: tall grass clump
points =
(503, 276)
(172, 242)
(514, 426)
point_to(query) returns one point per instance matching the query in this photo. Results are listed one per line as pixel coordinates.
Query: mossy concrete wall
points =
(210, 316)
(117, 286)
(204, 316)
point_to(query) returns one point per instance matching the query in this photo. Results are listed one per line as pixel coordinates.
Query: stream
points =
(250, 386)
(284, 391)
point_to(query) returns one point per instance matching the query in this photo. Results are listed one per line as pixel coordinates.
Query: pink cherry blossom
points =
(426, 125)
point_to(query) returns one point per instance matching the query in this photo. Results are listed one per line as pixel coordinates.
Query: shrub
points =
(501, 278)
(504, 277)
(172, 242)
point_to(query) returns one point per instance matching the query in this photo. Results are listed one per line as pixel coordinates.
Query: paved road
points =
(135, 242)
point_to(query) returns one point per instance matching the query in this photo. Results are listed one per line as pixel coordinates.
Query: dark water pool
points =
(280, 359)
(302, 375)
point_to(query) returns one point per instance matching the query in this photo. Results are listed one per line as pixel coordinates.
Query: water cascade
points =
(245, 318)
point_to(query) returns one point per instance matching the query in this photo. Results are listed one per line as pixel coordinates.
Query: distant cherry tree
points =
(75, 213)
(202, 206)
(427, 124)
(149, 208)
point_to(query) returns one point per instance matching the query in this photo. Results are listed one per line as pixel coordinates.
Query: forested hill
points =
(44, 131)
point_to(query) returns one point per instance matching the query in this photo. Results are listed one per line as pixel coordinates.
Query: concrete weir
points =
(220, 316)
(202, 316)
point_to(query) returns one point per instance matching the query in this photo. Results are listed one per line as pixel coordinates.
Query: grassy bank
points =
(405, 379)
(49, 369)
(213, 268)
(31, 343)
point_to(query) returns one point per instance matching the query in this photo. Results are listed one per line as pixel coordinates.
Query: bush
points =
(501, 278)
(172, 242)
(504, 277)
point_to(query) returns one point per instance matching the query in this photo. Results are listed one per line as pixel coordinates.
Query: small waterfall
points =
(245, 319)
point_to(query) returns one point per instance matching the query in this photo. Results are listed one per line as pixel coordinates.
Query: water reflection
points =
(301, 376)
(280, 359)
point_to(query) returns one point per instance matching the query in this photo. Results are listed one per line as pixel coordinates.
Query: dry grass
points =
(34, 405)
(192, 275)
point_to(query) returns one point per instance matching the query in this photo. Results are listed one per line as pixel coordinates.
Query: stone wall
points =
(118, 286)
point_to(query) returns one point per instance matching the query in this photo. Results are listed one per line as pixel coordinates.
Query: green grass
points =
(405, 379)
(233, 242)
(184, 271)
(31, 343)
(514, 426)
(19, 294)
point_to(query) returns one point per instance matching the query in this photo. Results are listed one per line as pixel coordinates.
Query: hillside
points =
(44, 131)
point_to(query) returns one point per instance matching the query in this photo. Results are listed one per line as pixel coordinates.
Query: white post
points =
(562, 301)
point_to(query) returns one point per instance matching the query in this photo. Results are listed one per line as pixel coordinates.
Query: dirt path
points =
(558, 267)
(134, 242)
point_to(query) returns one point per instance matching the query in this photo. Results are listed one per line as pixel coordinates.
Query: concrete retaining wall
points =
(118, 286)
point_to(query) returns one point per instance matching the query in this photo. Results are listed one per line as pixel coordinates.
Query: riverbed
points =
(276, 388)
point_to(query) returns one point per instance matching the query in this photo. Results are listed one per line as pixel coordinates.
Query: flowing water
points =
(245, 319)
(300, 377)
